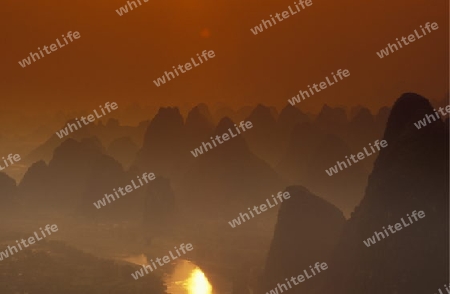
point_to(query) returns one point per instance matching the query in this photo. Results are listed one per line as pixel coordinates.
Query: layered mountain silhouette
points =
(344, 189)
(74, 168)
(289, 117)
(307, 230)
(263, 141)
(224, 111)
(362, 127)
(123, 150)
(332, 120)
(381, 119)
(164, 144)
(229, 173)
(199, 126)
(310, 153)
(106, 134)
(410, 174)
(195, 198)
(363, 130)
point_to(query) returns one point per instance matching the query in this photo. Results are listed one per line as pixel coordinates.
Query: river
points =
(185, 277)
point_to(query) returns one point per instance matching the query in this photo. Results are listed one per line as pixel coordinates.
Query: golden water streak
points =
(198, 283)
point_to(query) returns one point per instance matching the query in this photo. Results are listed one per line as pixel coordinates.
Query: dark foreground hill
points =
(410, 174)
(55, 268)
(306, 232)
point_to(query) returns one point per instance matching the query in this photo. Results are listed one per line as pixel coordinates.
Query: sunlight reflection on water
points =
(186, 278)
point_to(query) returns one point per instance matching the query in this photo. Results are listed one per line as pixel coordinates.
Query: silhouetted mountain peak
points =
(72, 151)
(199, 126)
(289, 110)
(411, 173)
(204, 110)
(198, 117)
(235, 145)
(167, 125)
(332, 115)
(407, 110)
(364, 117)
(223, 125)
(167, 114)
(291, 115)
(305, 201)
(289, 252)
(262, 115)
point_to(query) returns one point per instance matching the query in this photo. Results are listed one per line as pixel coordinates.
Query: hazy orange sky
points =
(118, 57)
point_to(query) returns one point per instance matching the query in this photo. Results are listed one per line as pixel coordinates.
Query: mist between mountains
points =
(146, 177)
(263, 207)
(75, 125)
(346, 177)
(361, 155)
(243, 126)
